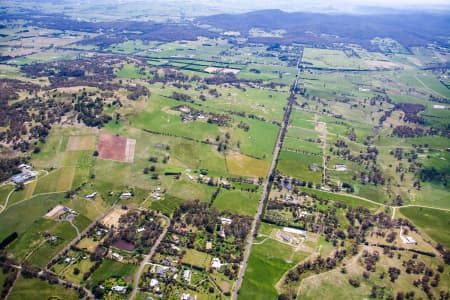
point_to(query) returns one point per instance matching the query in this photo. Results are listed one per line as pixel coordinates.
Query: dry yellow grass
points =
(113, 217)
(244, 165)
(77, 143)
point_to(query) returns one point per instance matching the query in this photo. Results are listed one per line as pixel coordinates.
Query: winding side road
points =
(276, 152)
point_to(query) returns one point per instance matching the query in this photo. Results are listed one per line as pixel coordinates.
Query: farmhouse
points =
(185, 297)
(91, 196)
(119, 288)
(407, 240)
(117, 256)
(295, 231)
(340, 167)
(225, 221)
(154, 282)
(186, 275)
(126, 195)
(286, 238)
(23, 177)
(215, 264)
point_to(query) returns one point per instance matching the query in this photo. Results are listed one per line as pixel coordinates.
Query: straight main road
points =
(276, 153)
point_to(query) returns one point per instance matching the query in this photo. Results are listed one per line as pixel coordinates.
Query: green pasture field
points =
(432, 142)
(47, 251)
(259, 140)
(334, 59)
(434, 222)
(31, 238)
(267, 264)
(301, 145)
(111, 269)
(131, 71)
(83, 265)
(56, 181)
(302, 119)
(239, 202)
(297, 165)
(302, 133)
(167, 205)
(348, 200)
(20, 217)
(33, 288)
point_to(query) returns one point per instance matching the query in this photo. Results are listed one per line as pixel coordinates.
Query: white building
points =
(154, 282)
(216, 263)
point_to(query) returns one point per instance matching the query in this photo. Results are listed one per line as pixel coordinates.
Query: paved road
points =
(138, 273)
(264, 195)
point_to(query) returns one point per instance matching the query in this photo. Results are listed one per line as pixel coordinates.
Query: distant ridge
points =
(410, 29)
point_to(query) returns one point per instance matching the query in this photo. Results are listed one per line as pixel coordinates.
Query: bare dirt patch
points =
(230, 71)
(77, 143)
(212, 70)
(112, 219)
(118, 148)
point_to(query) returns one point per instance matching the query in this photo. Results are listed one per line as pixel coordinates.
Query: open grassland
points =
(297, 165)
(333, 59)
(109, 269)
(335, 284)
(57, 181)
(435, 223)
(43, 254)
(20, 217)
(267, 263)
(345, 199)
(168, 205)
(33, 288)
(239, 202)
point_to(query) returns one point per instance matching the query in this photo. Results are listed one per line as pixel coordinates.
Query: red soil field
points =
(112, 147)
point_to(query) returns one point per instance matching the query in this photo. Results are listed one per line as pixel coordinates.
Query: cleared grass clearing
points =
(110, 268)
(297, 165)
(336, 59)
(78, 143)
(197, 259)
(243, 165)
(302, 133)
(168, 205)
(267, 264)
(26, 193)
(239, 202)
(21, 216)
(349, 200)
(294, 144)
(434, 222)
(65, 233)
(56, 181)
